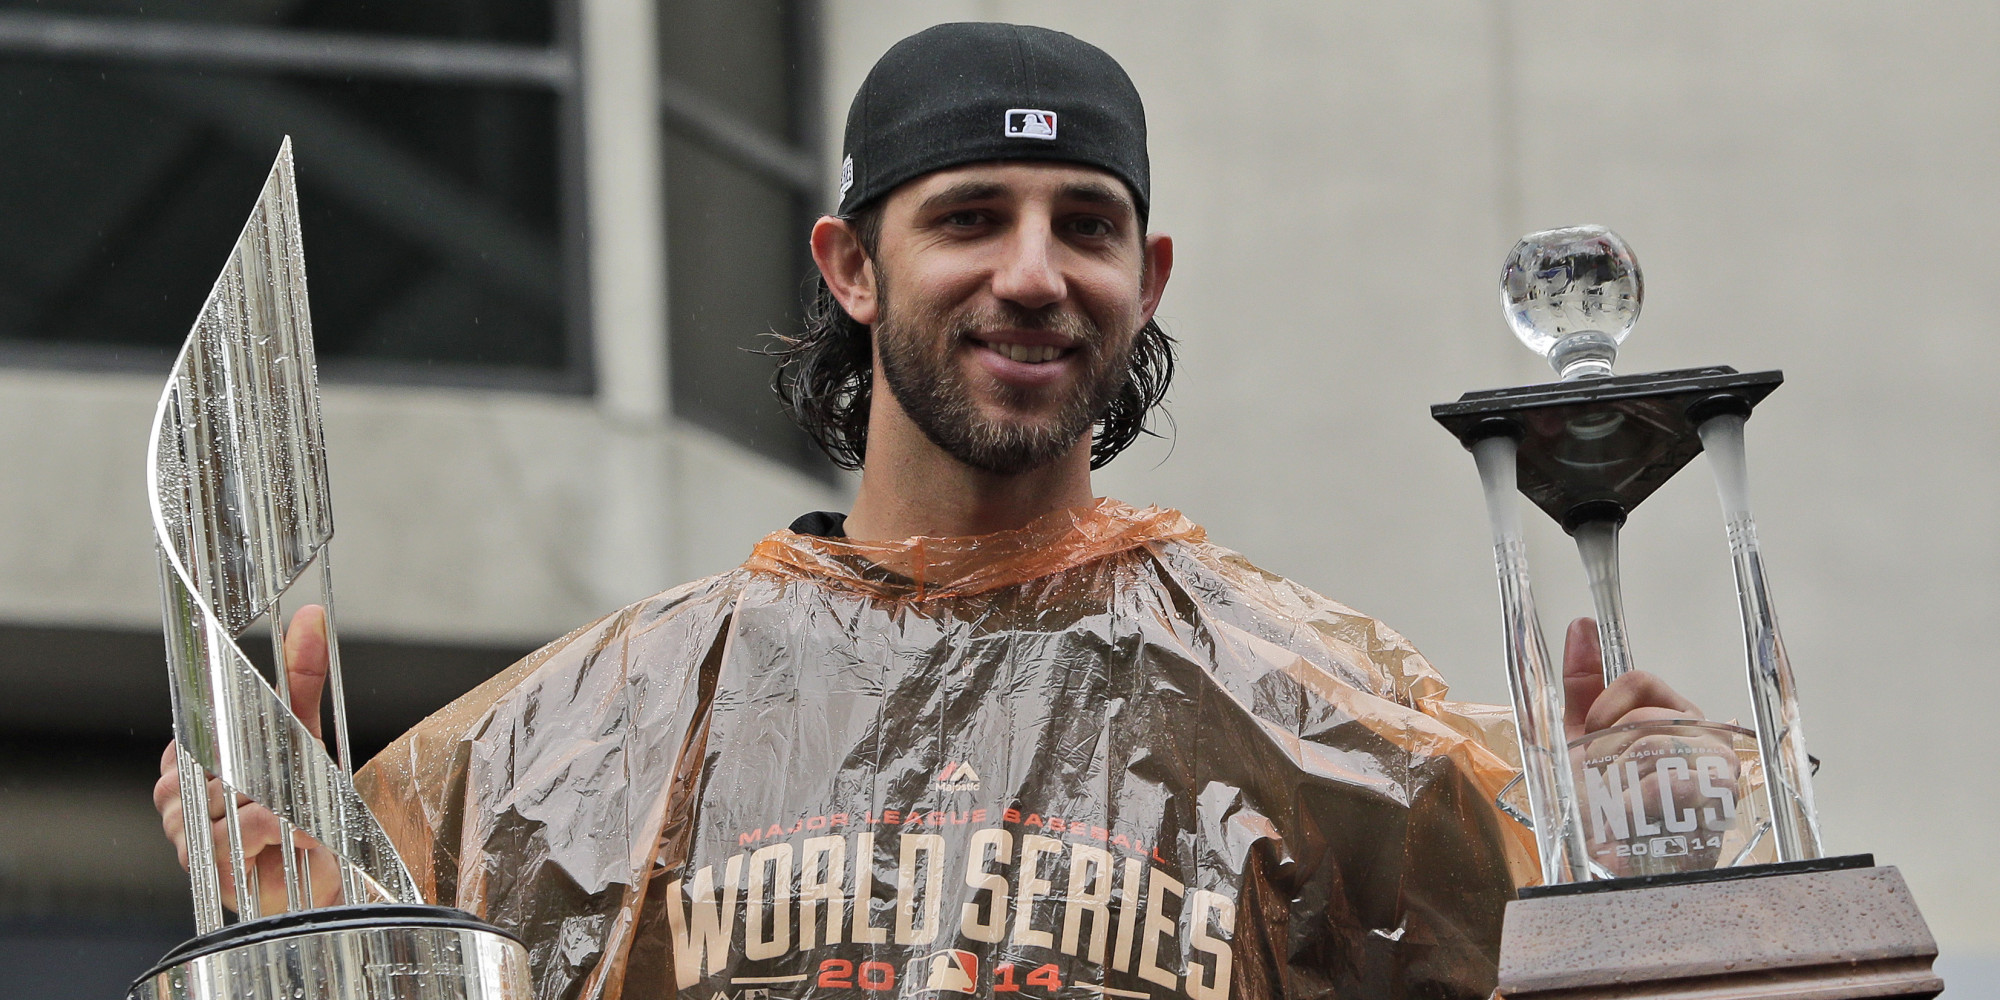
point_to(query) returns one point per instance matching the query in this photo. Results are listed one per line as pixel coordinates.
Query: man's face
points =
(1009, 299)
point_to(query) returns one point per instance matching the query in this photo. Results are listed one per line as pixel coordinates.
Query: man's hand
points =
(305, 659)
(1635, 697)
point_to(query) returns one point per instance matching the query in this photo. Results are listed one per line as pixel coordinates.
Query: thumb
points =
(1583, 673)
(305, 664)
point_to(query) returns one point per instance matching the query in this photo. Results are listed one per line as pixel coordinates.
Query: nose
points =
(1028, 275)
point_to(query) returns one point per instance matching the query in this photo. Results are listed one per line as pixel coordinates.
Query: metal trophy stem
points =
(1773, 698)
(1597, 543)
(240, 505)
(1535, 686)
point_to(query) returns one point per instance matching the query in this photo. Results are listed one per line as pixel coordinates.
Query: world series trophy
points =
(1679, 858)
(237, 475)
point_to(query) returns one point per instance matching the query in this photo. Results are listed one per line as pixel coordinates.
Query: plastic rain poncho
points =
(1097, 756)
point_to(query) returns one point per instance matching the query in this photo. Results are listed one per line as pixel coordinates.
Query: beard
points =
(919, 349)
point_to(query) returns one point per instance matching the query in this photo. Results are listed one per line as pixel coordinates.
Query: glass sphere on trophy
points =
(242, 515)
(1681, 857)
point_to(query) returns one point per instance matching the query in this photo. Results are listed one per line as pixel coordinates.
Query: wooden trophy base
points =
(1831, 929)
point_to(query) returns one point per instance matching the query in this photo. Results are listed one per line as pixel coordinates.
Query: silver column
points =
(238, 486)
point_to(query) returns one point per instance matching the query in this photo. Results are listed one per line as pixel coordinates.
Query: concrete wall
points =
(1808, 187)
(462, 516)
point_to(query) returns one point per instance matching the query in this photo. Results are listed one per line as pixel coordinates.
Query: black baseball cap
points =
(975, 91)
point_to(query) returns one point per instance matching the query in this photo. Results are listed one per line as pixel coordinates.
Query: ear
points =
(849, 274)
(1159, 252)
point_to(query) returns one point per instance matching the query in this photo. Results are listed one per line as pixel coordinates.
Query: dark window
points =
(521, 22)
(736, 225)
(432, 209)
(439, 179)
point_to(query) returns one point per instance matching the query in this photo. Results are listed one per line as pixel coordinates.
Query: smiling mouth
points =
(1033, 354)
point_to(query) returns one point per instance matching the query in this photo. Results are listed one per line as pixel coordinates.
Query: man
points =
(985, 734)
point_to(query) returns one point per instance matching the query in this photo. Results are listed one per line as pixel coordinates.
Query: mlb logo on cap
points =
(1030, 123)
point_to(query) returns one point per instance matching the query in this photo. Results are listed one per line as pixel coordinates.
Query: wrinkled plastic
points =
(1095, 756)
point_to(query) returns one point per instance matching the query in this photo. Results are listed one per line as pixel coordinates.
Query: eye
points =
(964, 218)
(1093, 227)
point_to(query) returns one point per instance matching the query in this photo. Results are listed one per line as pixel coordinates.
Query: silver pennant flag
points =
(237, 471)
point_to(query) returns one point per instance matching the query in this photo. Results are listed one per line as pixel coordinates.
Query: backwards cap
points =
(974, 91)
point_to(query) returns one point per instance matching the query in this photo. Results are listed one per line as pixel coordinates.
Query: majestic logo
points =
(958, 777)
(1030, 123)
(846, 174)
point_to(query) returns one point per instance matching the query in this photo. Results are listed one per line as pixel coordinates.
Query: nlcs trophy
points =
(1679, 858)
(238, 481)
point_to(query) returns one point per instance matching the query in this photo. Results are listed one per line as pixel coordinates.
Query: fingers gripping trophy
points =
(1680, 858)
(237, 471)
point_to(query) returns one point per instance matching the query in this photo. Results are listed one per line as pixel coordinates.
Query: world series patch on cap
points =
(970, 92)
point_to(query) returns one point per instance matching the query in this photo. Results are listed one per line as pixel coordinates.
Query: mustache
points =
(1052, 319)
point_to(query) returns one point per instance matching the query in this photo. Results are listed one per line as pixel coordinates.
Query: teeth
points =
(1029, 353)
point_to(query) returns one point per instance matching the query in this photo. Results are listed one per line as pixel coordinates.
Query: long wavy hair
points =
(825, 375)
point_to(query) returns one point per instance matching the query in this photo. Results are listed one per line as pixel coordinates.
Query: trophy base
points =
(1831, 929)
(373, 952)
